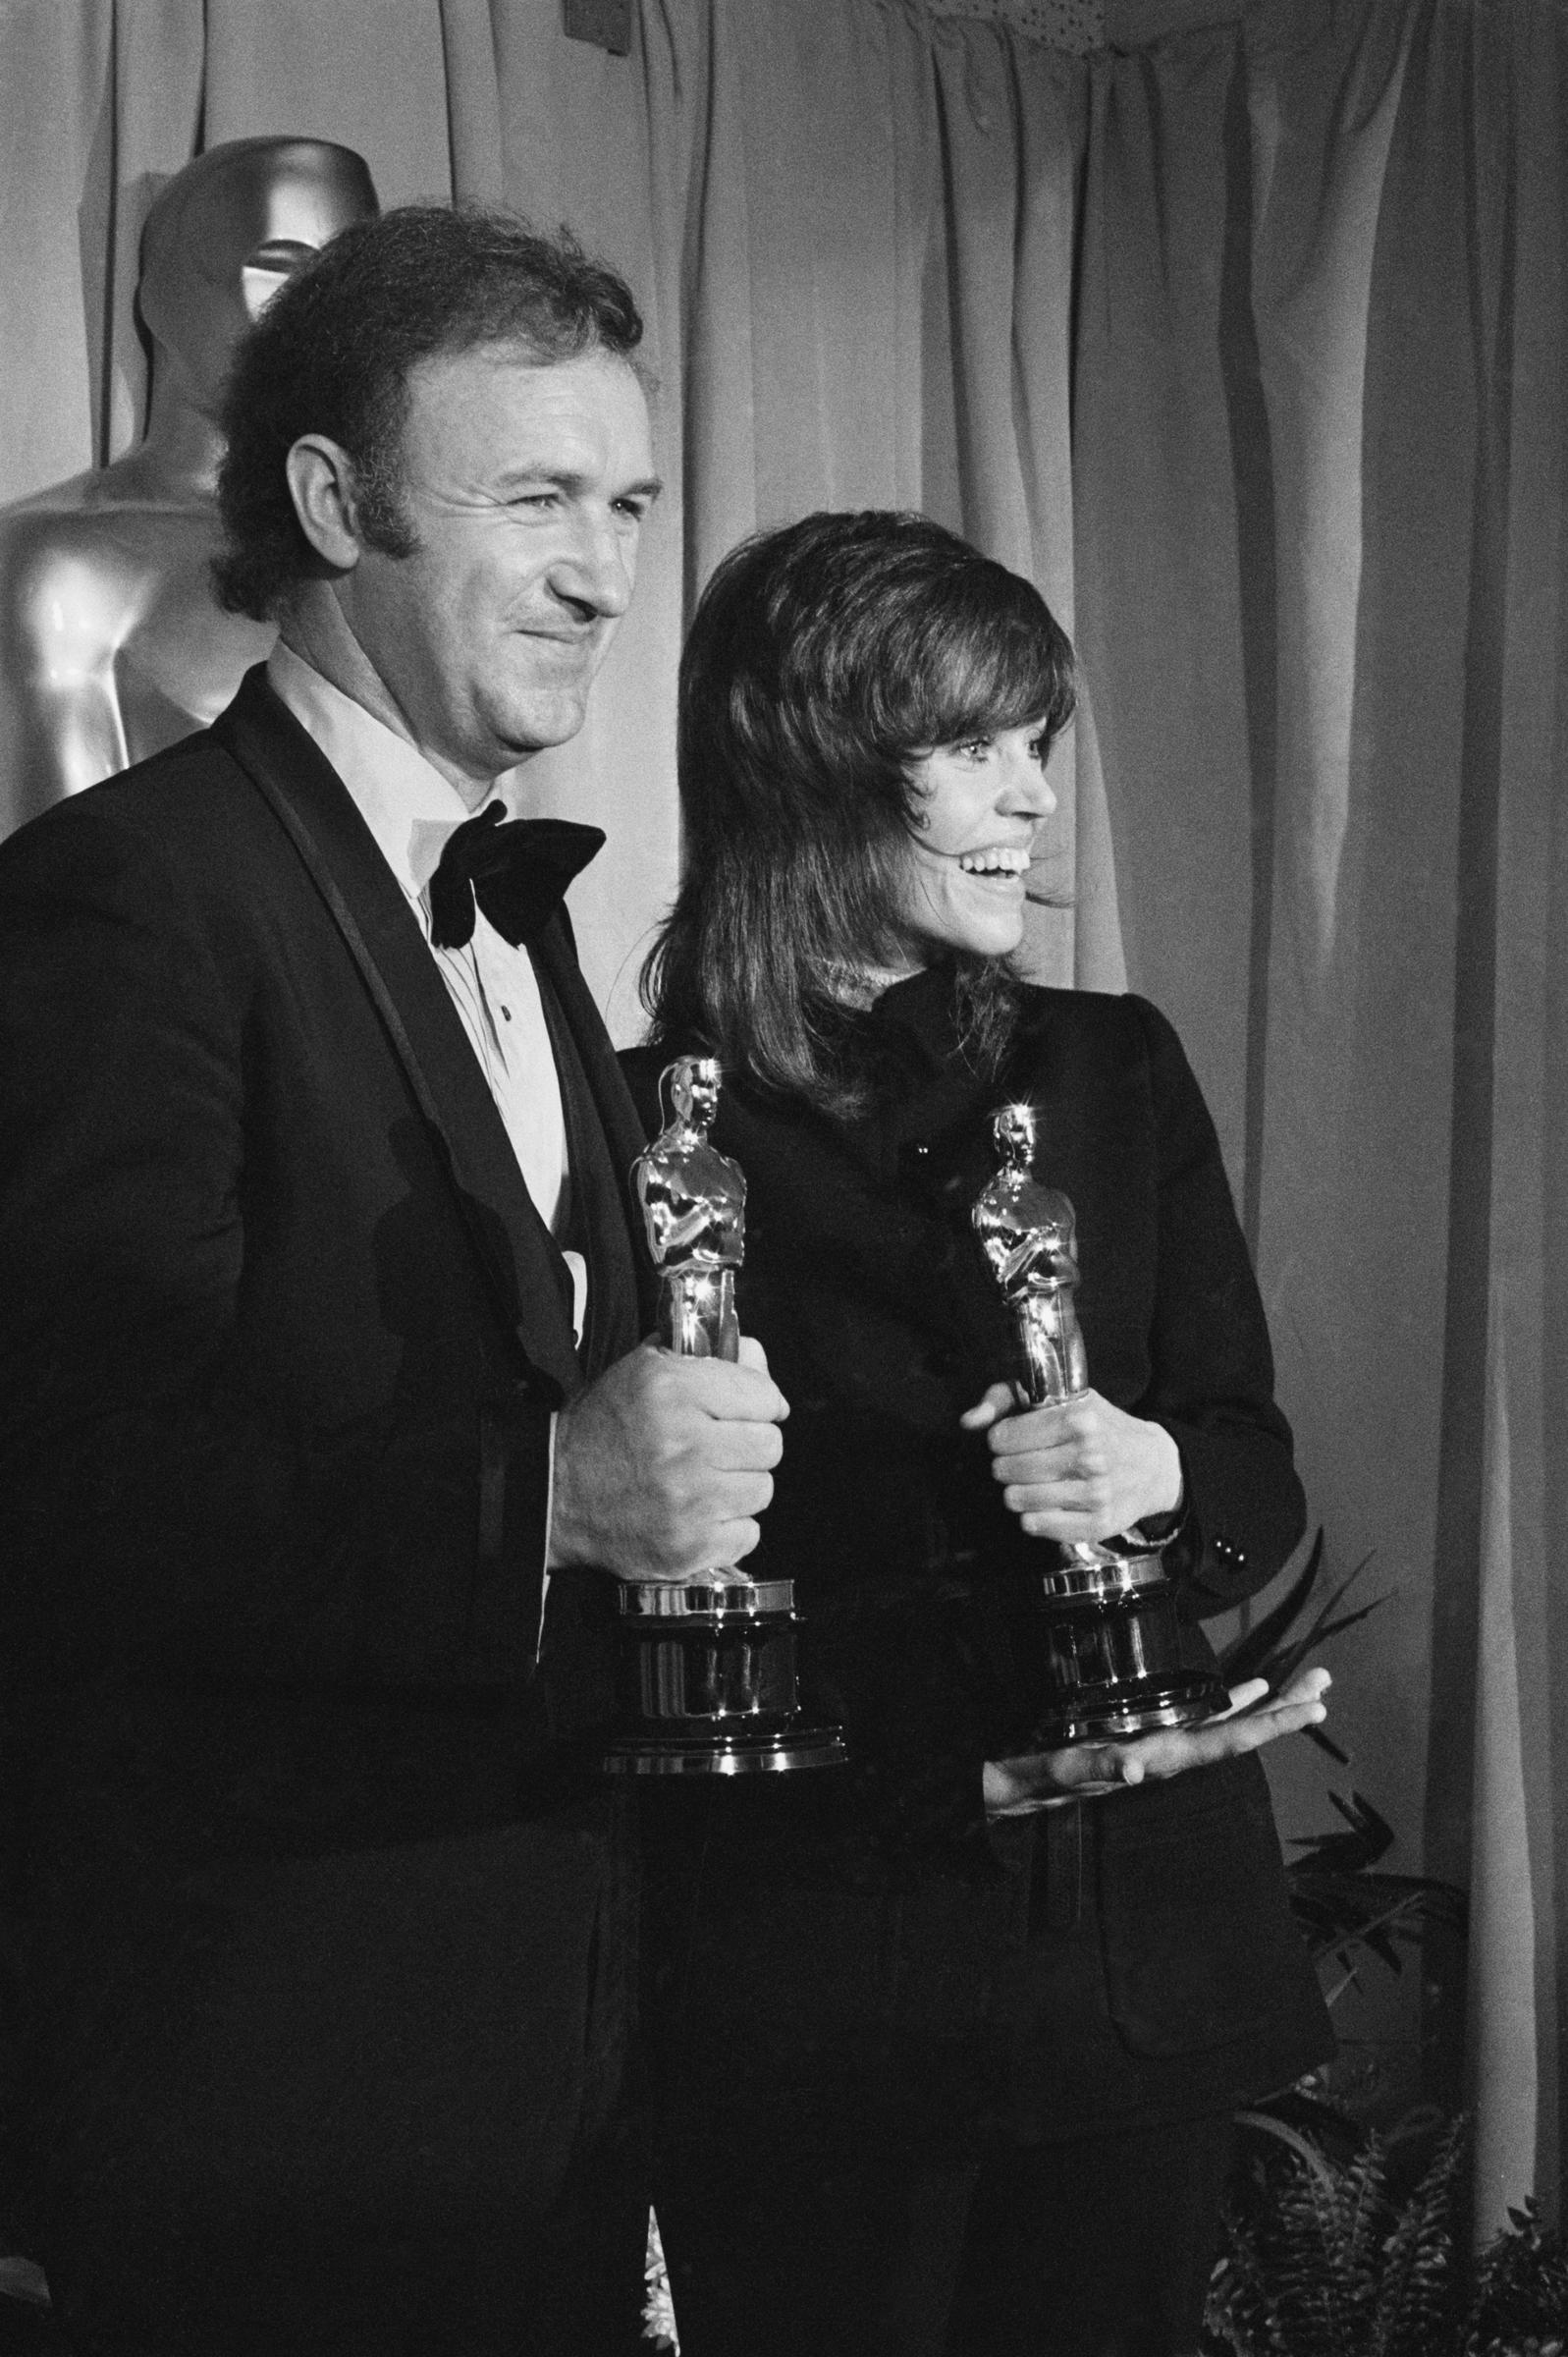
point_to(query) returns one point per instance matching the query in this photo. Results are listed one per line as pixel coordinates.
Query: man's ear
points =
(321, 485)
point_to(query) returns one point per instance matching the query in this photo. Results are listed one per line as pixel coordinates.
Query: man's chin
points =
(545, 721)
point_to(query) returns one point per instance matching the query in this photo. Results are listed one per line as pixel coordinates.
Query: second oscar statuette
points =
(1113, 1641)
(706, 1672)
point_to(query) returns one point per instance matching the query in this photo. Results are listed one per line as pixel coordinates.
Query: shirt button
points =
(506, 1012)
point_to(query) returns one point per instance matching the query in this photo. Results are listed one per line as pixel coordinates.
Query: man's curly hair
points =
(332, 352)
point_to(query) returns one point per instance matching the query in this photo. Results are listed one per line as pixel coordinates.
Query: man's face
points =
(525, 488)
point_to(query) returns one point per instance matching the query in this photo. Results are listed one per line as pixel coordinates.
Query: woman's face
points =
(978, 805)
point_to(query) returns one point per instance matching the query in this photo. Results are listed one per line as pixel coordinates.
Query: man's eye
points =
(634, 510)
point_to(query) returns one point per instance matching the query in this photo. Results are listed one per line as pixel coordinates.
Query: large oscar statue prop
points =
(111, 641)
(705, 1667)
(1113, 1648)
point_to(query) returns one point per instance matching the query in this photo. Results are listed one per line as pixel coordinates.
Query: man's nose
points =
(595, 574)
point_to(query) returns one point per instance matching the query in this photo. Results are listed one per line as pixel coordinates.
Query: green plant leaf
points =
(1263, 1651)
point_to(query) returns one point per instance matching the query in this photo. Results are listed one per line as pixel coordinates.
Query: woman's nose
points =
(1024, 783)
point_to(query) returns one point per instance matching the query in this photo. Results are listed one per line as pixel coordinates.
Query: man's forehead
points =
(509, 388)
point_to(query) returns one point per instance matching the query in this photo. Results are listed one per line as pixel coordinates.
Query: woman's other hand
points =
(1081, 1770)
(1080, 1468)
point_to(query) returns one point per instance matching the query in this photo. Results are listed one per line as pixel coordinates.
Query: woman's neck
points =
(861, 986)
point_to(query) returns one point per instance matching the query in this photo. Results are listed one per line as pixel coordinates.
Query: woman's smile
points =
(978, 806)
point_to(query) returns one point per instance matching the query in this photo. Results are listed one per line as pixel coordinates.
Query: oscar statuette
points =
(705, 1668)
(1112, 1646)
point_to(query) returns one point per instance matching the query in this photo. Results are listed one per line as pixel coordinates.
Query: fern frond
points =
(1415, 2303)
(1315, 2306)
(1521, 2296)
(1366, 2204)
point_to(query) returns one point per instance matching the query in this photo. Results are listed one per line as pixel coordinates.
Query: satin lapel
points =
(524, 1270)
(617, 1115)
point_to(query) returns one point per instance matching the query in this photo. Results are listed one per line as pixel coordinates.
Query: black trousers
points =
(1100, 2247)
(362, 2106)
(858, 2087)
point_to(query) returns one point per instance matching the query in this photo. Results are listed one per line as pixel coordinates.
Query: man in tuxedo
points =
(320, 1382)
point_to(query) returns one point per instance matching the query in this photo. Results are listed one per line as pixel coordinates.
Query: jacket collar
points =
(527, 1276)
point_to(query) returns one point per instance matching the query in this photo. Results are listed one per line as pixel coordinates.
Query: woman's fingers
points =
(1242, 1698)
(1083, 1770)
(1081, 1468)
(1308, 1686)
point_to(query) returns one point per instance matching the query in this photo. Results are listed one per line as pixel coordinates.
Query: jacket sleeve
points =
(1213, 1386)
(163, 1503)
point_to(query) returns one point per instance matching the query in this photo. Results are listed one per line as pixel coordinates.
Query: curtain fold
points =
(1246, 337)
(1514, 751)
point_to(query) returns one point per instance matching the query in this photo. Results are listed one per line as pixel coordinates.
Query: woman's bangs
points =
(1000, 670)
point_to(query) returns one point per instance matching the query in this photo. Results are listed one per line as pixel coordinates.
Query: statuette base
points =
(1134, 1707)
(707, 1680)
(1112, 1662)
(708, 1754)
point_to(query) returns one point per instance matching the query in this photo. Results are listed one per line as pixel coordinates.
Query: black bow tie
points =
(517, 869)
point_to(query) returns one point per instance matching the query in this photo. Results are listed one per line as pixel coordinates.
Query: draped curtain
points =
(1245, 336)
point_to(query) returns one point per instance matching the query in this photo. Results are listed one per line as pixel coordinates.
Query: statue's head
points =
(693, 1084)
(1013, 1128)
(225, 233)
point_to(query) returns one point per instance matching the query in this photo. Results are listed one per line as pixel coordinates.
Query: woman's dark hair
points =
(332, 354)
(821, 660)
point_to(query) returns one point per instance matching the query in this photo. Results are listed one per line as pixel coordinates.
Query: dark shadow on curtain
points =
(1486, 279)
(1554, 1326)
(98, 232)
(947, 489)
(1252, 457)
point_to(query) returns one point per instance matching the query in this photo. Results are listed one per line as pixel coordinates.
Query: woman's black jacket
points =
(1159, 1974)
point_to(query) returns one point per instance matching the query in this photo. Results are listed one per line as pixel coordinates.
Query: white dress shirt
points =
(411, 809)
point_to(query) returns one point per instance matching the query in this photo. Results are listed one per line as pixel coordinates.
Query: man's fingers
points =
(734, 1392)
(753, 1355)
(738, 1539)
(999, 1400)
(699, 1535)
(730, 1446)
(663, 1466)
(728, 1544)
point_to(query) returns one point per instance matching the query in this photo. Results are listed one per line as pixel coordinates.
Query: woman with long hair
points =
(950, 2038)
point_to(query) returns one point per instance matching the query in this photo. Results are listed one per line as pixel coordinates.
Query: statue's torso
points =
(111, 642)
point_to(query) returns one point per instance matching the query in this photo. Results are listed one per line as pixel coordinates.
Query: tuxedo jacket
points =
(283, 1331)
(1158, 1971)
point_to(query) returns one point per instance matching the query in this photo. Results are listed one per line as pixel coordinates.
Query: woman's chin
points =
(997, 939)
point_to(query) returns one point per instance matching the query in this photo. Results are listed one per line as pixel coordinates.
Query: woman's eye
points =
(974, 749)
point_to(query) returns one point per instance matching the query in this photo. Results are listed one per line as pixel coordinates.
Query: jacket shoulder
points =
(1118, 1023)
(191, 791)
(192, 815)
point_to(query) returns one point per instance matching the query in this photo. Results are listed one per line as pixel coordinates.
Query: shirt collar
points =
(409, 807)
